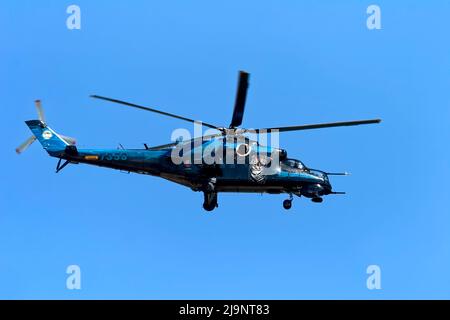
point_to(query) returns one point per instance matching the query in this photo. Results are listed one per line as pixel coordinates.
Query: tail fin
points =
(52, 142)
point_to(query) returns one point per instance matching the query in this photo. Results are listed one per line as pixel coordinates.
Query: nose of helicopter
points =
(322, 181)
(326, 187)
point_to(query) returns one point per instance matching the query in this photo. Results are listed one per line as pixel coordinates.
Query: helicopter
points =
(240, 163)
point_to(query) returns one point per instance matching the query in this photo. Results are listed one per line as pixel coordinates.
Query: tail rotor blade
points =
(40, 110)
(25, 145)
(69, 140)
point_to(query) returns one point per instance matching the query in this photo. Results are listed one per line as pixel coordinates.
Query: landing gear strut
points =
(287, 204)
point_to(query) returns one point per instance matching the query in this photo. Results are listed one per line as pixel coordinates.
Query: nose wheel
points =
(317, 200)
(287, 204)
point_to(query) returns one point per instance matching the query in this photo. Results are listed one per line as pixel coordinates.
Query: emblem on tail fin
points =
(47, 135)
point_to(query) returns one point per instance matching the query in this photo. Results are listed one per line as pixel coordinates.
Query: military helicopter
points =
(251, 166)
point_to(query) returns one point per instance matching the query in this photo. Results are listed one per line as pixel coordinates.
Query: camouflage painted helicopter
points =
(242, 174)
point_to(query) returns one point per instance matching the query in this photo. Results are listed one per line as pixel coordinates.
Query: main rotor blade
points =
(40, 110)
(318, 126)
(239, 105)
(154, 110)
(25, 145)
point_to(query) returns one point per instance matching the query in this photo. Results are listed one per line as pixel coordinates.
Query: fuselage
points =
(235, 177)
(223, 164)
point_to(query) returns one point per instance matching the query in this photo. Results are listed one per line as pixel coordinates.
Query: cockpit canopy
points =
(293, 164)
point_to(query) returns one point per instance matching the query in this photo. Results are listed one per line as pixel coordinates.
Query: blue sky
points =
(141, 237)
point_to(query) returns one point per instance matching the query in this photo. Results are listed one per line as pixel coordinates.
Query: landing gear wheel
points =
(317, 200)
(210, 201)
(287, 204)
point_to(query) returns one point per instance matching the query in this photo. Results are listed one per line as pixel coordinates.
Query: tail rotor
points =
(41, 117)
(31, 139)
